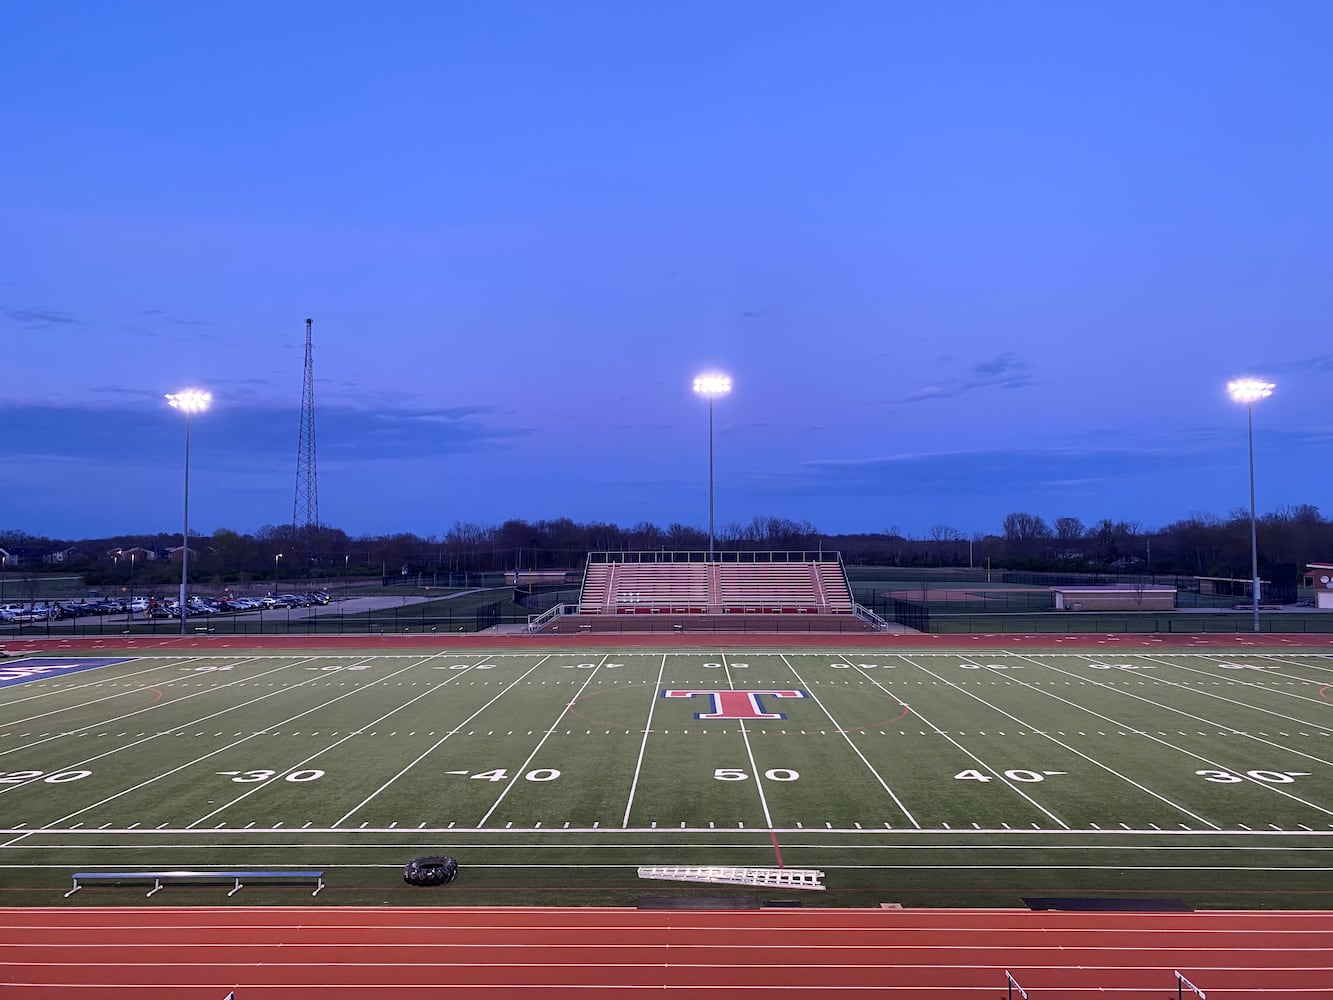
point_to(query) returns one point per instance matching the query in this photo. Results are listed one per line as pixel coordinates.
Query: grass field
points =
(929, 778)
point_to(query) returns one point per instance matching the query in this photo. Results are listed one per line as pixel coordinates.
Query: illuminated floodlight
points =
(712, 385)
(1249, 390)
(190, 400)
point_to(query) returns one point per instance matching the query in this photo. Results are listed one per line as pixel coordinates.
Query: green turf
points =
(552, 776)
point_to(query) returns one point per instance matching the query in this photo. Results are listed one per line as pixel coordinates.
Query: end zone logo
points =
(37, 668)
(735, 704)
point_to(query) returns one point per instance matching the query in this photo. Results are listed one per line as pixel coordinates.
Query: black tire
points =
(429, 871)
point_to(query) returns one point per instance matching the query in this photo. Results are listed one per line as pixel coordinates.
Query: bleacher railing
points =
(536, 622)
(727, 556)
(870, 618)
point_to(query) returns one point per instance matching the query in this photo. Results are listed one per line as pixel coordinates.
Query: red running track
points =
(267, 953)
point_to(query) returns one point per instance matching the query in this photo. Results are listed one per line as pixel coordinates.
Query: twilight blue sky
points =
(960, 259)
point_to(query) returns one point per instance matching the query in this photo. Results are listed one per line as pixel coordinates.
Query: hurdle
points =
(1012, 985)
(1182, 984)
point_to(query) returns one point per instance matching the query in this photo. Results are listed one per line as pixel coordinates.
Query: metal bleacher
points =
(622, 583)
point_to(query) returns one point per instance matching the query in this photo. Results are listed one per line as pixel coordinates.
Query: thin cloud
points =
(1006, 361)
(39, 319)
(166, 317)
(1005, 370)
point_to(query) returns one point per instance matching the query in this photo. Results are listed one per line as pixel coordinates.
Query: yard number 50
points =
(772, 774)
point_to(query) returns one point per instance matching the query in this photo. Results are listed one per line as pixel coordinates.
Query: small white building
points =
(1320, 576)
(1115, 597)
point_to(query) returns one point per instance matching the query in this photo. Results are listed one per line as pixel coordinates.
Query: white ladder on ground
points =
(784, 878)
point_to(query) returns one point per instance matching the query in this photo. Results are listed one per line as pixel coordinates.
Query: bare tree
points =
(1068, 530)
(1020, 526)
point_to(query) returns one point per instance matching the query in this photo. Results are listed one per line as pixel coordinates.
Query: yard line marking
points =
(998, 775)
(146, 738)
(1189, 753)
(281, 775)
(754, 769)
(172, 661)
(848, 740)
(643, 745)
(1073, 750)
(1282, 660)
(522, 770)
(440, 742)
(97, 701)
(1240, 681)
(228, 746)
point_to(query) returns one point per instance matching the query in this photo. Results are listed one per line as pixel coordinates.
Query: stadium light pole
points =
(188, 401)
(711, 386)
(1247, 391)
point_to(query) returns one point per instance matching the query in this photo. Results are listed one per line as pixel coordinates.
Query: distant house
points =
(135, 554)
(16, 556)
(61, 556)
(175, 553)
(7, 558)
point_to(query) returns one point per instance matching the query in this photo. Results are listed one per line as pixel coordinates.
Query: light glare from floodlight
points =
(1248, 390)
(190, 400)
(712, 385)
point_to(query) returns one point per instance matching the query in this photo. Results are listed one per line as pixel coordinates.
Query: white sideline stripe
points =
(234, 743)
(643, 745)
(1076, 751)
(1172, 746)
(438, 743)
(911, 867)
(542, 742)
(878, 833)
(857, 750)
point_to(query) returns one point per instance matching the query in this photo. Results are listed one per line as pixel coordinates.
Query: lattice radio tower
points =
(305, 508)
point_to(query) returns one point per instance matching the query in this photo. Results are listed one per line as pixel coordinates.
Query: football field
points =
(927, 777)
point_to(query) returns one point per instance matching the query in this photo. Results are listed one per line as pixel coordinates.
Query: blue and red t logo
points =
(735, 704)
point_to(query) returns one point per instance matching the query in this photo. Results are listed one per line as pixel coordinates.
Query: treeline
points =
(1201, 544)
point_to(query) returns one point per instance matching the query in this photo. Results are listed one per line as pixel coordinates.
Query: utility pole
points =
(305, 507)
